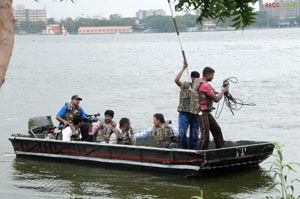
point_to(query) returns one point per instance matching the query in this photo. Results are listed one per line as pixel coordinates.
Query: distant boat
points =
(64, 31)
(148, 30)
(48, 30)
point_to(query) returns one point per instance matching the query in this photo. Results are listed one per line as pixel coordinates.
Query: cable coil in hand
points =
(234, 104)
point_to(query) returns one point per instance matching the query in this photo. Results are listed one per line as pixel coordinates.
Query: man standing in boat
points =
(207, 122)
(68, 111)
(187, 118)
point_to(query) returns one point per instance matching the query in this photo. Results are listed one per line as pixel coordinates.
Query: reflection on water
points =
(53, 179)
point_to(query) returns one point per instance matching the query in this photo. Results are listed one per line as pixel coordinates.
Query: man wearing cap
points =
(67, 112)
(103, 129)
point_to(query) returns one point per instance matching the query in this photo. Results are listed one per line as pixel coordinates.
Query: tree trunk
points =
(6, 36)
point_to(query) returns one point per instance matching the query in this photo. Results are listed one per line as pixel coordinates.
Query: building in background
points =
(105, 30)
(283, 10)
(31, 15)
(141, 14)
(52, 29)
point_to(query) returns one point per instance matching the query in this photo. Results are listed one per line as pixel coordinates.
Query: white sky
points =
(127, 8)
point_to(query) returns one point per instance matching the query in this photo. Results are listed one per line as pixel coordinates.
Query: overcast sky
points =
(127, 8)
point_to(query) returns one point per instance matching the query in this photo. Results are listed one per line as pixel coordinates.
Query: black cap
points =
(76, 97)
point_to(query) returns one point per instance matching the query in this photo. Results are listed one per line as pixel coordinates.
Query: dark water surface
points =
(134, 75)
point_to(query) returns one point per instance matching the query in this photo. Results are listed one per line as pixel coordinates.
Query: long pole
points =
(178, 35)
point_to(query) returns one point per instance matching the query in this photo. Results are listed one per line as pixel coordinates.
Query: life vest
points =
(184, 97)
(70, 112)
(105, 130)
(190, 97)
(195, 96)
(163, 135)
(209, 102)
(122, 137)
(75, 134)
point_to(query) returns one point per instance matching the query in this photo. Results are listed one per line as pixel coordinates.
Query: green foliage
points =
(165, 23)
(280, 170)
(239, 12)
(297, 19)
(156, 23)
(198, 197)
(264, 20)
(30, 27)
(159, 23)
(51, 21)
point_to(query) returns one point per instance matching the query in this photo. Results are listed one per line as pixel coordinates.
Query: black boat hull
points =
(180, 161)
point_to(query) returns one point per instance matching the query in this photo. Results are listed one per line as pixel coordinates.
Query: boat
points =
(49, 30)
(142, 155)
(64, 31)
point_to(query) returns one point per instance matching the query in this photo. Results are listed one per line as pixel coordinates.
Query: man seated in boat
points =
(67, 112)
(122, 134)
(72, 132)
(162, 131)
(103, 129)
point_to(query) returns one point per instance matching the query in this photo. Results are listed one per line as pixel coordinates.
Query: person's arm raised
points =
(178, 76)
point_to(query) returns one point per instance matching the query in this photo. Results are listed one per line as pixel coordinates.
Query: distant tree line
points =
(156, 23)
(29, 27)
(153, 23)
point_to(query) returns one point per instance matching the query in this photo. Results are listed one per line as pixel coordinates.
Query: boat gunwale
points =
(256, 143)
(113, 161)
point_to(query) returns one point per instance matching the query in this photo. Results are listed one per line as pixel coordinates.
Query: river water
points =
(133, 74)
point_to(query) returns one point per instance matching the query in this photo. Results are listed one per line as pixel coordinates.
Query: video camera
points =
(91, 118)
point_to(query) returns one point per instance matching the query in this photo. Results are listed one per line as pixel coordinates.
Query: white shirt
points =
(113, 139)
(67, 133)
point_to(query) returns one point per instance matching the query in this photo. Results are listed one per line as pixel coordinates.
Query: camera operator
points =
(208, 123)
(68, 111)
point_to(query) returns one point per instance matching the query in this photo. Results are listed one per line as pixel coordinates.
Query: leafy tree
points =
(297, 19)
(69, 24)
(240, 12)
(114, 16)
(32, 27)
(189, 20)
(51, 21)
(159, 23)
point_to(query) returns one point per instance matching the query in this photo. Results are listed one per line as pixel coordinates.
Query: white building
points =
(141, 14)
(281, 9)
(22, 14)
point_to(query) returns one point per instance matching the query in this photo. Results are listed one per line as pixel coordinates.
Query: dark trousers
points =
(84, 129)
(208, 123)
